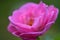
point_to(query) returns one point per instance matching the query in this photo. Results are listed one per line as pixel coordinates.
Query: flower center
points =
(27, 19)
(30, 22)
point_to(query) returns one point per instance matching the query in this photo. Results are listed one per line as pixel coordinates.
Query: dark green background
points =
(6, 8)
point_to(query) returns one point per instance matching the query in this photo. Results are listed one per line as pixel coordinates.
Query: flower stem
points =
(37, 38)
(30, 39)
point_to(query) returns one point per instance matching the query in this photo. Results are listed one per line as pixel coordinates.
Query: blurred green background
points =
(6, 9)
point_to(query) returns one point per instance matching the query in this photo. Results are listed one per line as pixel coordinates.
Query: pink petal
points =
(35, 34)
(11, 28)
(53, 13)
(40, 10)
(27, 7)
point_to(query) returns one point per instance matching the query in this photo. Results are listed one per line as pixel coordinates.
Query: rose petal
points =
(35, 34)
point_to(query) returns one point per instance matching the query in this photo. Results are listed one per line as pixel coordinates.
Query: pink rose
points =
(32, 20)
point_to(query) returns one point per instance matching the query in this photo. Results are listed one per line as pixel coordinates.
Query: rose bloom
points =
(32, 20)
